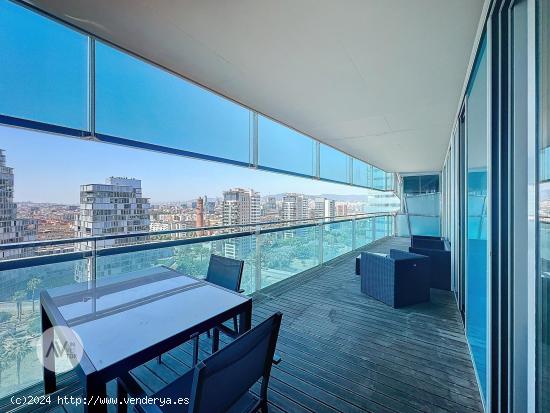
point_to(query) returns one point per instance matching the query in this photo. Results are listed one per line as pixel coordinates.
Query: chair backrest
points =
(225, 272)
(224, 377)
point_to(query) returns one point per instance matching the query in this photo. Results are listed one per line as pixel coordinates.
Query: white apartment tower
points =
(12, 229)
(325, 208)
(114, 208)
(295, 207)
(240, 206)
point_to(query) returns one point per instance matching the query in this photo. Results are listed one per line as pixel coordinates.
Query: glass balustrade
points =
(270, 257)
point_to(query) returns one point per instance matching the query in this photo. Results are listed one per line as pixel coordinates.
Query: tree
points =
(16, 347)
(32, 285)
(4, 359)
(18, 297)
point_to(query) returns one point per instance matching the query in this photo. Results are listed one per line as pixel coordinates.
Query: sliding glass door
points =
(476, 216)
(543, 278)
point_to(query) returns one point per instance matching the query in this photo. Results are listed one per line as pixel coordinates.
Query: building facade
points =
(12, 229)
(240, 206)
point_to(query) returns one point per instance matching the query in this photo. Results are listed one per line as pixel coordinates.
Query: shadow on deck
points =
(344, 352)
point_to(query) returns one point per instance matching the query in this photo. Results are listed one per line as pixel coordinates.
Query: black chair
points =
(227, 273)
(221, 383)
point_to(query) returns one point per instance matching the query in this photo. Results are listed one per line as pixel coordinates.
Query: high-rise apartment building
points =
(325, 208)
(114, 208)
(240, 206)
(295, 207)
(12, 229)
(341, 209)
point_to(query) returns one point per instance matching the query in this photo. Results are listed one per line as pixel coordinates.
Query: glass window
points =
(138, 101)
(543, 281)
(476, 212)
(44, 70)
(361, 172)
(284, 149)
(389, 181)
(334, 165)
(378, 178)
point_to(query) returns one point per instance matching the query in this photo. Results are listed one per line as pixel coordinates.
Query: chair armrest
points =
(276, 359)
(134, 390)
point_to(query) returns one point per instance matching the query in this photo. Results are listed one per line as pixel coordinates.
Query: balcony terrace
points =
(344, 352)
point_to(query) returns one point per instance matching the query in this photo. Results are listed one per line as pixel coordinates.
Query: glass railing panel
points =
(424, 204)
(334, 165)
(337, 239)
(381, 227)
(44, 70)
(287, 253)
(421, 225)
(364, 234)
(141, 102)
(20, 320)
(282, 148)
(402, 225)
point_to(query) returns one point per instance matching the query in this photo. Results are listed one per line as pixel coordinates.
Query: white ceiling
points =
(379, 79)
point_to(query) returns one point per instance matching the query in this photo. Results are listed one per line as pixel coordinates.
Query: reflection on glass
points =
(334, 165)
(20, 320)
(476, 211)
(362, 173)
(425, 225)
(286, 253)
(378, 178)
(337, 239)
(138, 101)
(364, 232)
(543, 282)
(44, 69)
(285, 149)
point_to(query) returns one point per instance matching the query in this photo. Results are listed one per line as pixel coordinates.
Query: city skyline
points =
(166, 178)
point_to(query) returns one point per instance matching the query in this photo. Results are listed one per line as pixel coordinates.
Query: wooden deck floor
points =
(344, 352)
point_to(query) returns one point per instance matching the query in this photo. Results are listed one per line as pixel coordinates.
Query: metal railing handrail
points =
(93, 251)
(63, 241)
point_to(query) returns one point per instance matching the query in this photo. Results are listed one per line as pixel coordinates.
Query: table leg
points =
(95, 393)
(48, 353)
(215, 340)
(245, 320)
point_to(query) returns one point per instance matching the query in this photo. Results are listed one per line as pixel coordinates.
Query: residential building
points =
(12, 228)
(117, 207)
(240, 206)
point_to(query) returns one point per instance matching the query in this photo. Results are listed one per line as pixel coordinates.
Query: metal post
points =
(258, 266)
(320, 229)
(353, 234)
(254, 139)
(317, 160)
(91, 85)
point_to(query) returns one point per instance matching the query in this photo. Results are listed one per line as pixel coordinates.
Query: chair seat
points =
(181, 388)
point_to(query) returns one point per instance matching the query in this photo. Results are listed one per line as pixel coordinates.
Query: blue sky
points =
(51, 168)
